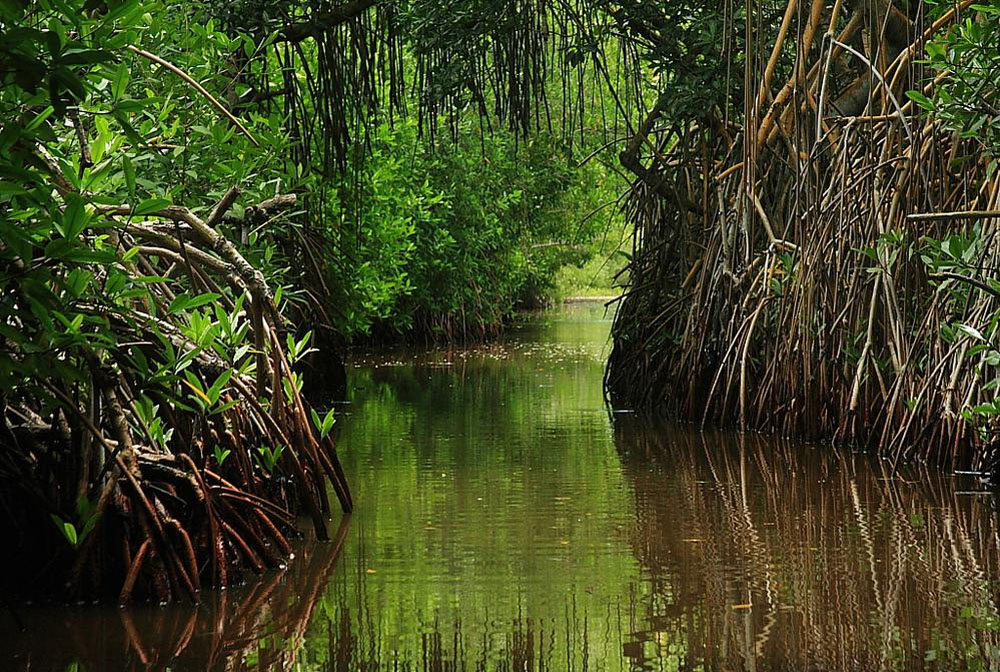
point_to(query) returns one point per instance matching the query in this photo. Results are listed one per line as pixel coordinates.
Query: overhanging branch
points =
(325, 20)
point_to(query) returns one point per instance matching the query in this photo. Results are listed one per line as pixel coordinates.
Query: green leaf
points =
(324, 425)
(221, 455)
(121, 82)
(921, 100)
(150, 205)
(971, 331)
(129, 130)
(179, 303)
(68, 530)
(85, 56)
(216, 389)
(75, 217)
(225, 407)
(201, 300)
(129, 170)
(39, 119)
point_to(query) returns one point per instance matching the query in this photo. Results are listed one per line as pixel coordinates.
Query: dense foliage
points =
(447, 241)
(154, 435)
(178, 238)
(199, 203)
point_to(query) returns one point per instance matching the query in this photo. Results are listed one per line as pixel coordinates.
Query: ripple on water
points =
(507, 521)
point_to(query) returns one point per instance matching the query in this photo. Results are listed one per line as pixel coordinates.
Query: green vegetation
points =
(966, 60)
(199, 204)
(144, 359)
(445, 242)
(202, 204)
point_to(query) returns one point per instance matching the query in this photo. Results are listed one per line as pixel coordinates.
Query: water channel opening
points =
(506, 519)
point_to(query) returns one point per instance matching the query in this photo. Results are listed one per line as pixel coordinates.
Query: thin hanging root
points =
(251, 537)
(216, 550)
(189, 555)
(231, 492)
(275, 533)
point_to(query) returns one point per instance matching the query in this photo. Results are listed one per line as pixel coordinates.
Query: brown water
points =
(506, 521)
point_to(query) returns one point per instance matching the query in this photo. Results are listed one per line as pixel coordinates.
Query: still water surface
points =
(506, 521)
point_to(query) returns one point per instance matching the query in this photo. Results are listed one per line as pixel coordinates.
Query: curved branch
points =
(324, 21)
(197, 87)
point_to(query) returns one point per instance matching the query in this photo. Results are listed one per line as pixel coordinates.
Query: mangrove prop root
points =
(169, 516)
(776, 281)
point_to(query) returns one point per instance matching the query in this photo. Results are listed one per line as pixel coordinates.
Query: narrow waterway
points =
(506, 521)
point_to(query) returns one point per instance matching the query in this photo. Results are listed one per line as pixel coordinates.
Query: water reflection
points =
(765, 554)
(492, 523)
(507, 522)
(257, 627)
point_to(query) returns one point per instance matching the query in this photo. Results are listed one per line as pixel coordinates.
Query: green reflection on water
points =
(493, 515)
(507, 522)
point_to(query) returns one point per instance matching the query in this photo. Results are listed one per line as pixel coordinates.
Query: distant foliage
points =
(446, 240)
